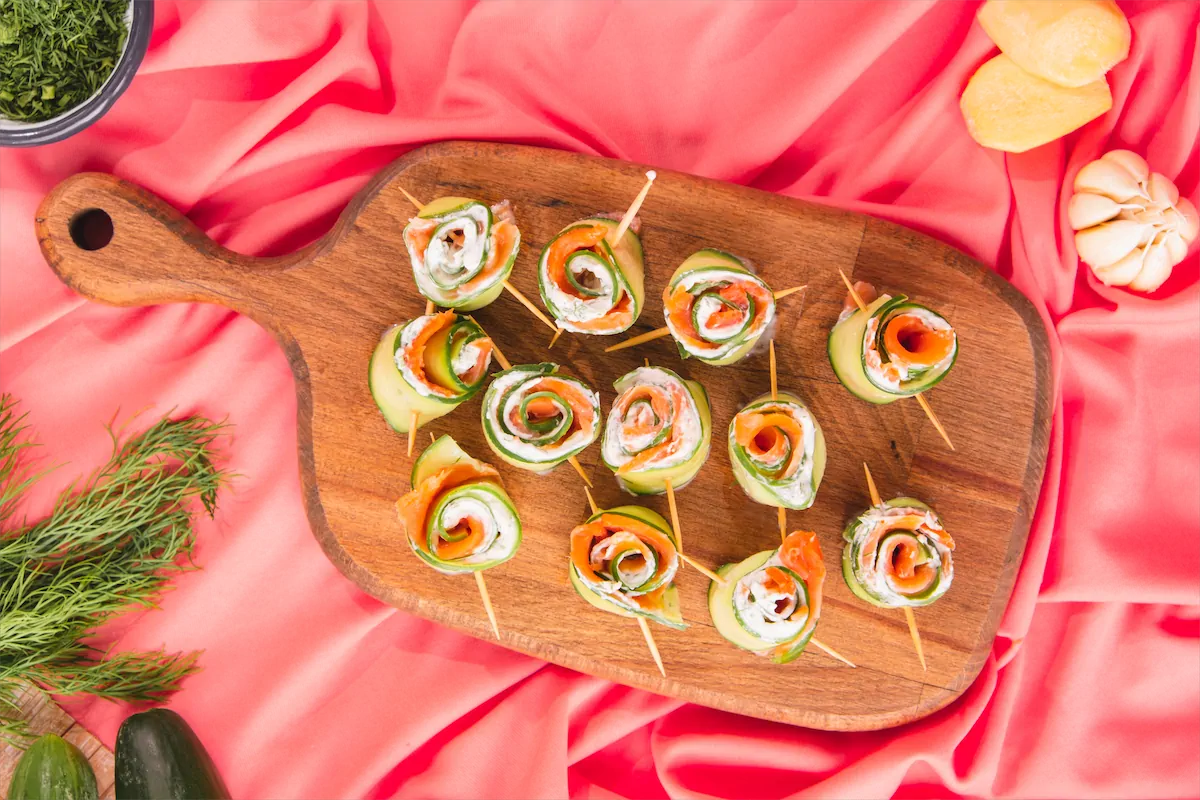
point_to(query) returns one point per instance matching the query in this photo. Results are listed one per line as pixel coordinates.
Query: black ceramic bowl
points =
(140, 18)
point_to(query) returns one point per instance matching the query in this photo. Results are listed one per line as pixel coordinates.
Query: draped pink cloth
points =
(261, 119)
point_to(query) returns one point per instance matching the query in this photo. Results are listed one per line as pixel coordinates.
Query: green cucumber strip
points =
(589, 262)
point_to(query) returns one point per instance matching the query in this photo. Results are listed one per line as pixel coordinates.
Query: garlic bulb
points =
(1131, 226)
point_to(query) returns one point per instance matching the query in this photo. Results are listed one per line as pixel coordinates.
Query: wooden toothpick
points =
(782, 524)
(916, 635)
(487, 602)
(858, 301)
(525, 301)
(832, 652)
(504, 364)
(650, 643)
(414, 420)
(429, 307)
(636, 206)
(774, 374)
(554, 338)
(591, 500)
(641, 338)
(678, 529)
(420, 206)
(933, 418)
(787, 292)
(875, 501)
(574, 462)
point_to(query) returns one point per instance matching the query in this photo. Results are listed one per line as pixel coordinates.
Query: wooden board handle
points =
(115, 242)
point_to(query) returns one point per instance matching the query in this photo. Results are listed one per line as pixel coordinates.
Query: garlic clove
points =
(1108, 178)
(1161, 190)
(1134, 164)
(1189, 226)
(1086, 209)
(1123, 271)
(1156, 268)
(1109, 242)
(1176, 247)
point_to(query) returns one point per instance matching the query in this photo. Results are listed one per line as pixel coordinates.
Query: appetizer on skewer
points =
(458, 517)
(716, 308)
(898, 555)
(777, 451)
(590, 282)
(624, 560)
(462, 251)
(535, 418)
(772, 600)
(425, 368)
(658, 431)
(892, 350)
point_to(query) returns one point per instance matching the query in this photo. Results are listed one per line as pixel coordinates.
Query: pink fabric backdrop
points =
(260, 120)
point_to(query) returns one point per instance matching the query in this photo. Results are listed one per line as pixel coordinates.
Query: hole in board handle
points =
(91, 229)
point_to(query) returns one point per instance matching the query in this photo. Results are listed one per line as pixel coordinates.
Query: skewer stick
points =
(525, 301)
(420, 206)
(829, 650)
(933, 418)
(504, 363)
(554, 338)
(591, 500)
(413, 421)
(487, 602)
(650, 643)
(916, 635)
(627, 220)
(875, 501)
(574, 462)
(786, 292)
(782, 524)
(647, 361)
(428, 307)
(648, 336)
(675, 526)
(858, 301)
(774, 374)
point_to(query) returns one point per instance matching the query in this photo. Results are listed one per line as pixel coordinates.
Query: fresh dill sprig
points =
(110, 544)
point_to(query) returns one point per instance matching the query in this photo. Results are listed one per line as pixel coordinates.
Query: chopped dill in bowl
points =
(55, 54)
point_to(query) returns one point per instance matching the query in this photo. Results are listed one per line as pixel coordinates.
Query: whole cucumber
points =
(159, 757)
(53, 769)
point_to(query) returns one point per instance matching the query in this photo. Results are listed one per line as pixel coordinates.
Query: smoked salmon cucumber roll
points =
(898, 554)
(429, 365)
(535, 419)
(462, 251)
(771, 601)
(716, 307)
(777, 451)
(659, 429)
(624, 561)
(589, 283)
(895, 350)
(458, 518)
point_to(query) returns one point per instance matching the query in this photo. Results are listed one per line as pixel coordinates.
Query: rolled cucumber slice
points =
(768, 491)
(624, 264)
(721, 607)
(439, 455)
(845, 350)
(853, 548)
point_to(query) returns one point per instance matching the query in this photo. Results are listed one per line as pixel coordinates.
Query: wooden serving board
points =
(328, 304)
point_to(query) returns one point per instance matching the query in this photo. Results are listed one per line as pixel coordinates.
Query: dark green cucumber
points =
(53, 769)
(159, 757)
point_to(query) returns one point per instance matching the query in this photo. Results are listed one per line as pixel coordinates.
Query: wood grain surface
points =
(328, 304)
